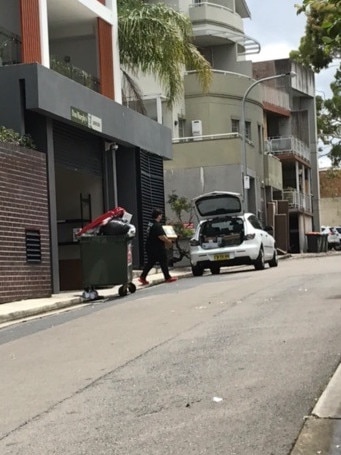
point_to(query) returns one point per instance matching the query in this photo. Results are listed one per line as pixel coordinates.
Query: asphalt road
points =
(221, 365)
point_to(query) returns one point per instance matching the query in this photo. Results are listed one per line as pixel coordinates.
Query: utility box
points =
(197, 130)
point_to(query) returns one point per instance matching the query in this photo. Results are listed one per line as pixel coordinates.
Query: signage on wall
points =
(86, 119)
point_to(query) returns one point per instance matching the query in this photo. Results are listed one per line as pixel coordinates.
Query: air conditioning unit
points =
(197, 130)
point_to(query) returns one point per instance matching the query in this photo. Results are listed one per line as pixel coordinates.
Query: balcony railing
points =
(10, 48)
(76, 74)
(289, 145)
(206, 137)
(298, 200)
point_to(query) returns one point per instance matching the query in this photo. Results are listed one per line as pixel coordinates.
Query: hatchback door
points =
(217, 204)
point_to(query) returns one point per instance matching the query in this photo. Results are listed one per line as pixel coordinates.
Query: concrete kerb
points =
(321, 432)
(30, 311)
(23, 309)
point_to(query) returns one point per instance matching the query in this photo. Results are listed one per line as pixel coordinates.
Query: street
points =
(227, 364)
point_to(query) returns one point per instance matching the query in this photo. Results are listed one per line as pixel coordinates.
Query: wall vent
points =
(33, 246)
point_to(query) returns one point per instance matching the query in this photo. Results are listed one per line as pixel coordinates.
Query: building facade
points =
(60, 83)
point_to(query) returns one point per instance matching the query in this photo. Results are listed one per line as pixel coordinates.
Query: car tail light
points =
(249, 236)
(194, 242)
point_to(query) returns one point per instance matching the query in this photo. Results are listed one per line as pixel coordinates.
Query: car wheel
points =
(215, 269)
(259, 262)
(274, 260)
(197, 270)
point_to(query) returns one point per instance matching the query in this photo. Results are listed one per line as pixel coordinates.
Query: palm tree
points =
(156, 39)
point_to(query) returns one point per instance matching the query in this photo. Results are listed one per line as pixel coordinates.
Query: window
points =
(255, 222)
(260, 139)
(248, 130)
(182, 124)
(235, 125)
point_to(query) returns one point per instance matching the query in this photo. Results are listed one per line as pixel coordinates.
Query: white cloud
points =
(273, 51)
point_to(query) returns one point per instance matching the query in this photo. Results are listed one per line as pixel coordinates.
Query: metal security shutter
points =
(151, 186)
(77, 149)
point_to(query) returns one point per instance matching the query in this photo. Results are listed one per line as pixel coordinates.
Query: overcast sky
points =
(277, 27)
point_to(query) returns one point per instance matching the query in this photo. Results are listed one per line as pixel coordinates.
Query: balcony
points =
(10, 48)
(272, 97)
(224, 84)
(298, 200)
(273, 172)
(289, 146)
(76, 74)
(215, 24)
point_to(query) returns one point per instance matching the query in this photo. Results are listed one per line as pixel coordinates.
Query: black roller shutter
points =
(77, 149)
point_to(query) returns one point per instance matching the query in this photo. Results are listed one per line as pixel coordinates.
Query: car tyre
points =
(197, 270)
(259, 262)
(215, 269)
(274, 260)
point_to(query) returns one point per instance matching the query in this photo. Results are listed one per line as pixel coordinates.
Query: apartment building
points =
(60, 83)
(210, 151)
(291, 136)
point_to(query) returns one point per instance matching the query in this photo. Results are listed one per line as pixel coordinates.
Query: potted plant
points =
(182, 223)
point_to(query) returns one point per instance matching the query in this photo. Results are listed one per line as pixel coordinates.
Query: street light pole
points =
(245, 178)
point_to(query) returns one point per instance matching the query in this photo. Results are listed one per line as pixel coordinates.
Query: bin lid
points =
(117, 212)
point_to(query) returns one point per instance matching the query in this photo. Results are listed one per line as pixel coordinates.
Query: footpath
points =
(321, 432)
(23, 309)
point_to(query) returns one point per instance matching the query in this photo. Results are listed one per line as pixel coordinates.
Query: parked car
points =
(226, 236)
(334, 236)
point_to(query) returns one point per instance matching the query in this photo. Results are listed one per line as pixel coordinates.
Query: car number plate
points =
(221, 257)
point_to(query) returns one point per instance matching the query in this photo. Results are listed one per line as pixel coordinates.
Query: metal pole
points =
(243, 129)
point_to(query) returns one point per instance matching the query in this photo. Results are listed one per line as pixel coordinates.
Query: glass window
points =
(248, 130)
(235, 125)
(255, 222)
(182, 124)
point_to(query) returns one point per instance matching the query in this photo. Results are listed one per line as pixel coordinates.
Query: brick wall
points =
(23, 205)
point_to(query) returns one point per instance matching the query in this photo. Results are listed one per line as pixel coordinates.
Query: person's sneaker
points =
(143, 281)
(171, 279)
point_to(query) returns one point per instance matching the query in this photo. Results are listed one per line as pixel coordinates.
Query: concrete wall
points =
(203, 166)
(10, 17)
(330, 209)
(81, 50)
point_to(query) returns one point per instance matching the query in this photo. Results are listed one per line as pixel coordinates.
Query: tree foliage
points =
(155, 39)
(321, 45)
(329, 120)
(322, 40)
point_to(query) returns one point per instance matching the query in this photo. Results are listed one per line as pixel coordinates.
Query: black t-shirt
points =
(154, 230)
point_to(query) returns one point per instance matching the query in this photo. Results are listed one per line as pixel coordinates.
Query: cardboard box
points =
(169, 231)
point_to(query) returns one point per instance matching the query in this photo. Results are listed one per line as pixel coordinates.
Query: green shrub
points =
(10, 136)
(181, 208)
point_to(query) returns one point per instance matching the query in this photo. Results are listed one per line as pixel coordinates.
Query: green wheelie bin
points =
(107, 260)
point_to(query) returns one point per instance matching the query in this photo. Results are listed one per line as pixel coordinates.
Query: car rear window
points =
(224, 226)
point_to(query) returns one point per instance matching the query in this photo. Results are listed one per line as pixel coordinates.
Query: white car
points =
(333, 236)
(226, 236)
